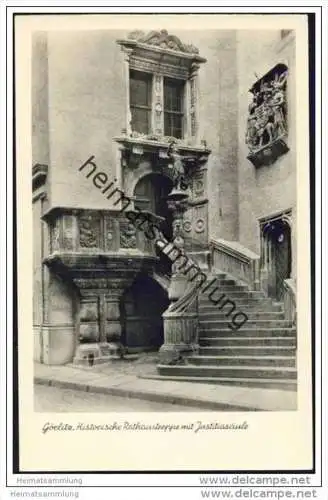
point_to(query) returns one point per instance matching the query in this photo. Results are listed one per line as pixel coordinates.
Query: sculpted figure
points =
(252, 136)
(278, 103)
(88, 237)
(177, 166)
(128, 237)
(253, 105)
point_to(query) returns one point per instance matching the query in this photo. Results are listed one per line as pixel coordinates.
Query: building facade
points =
(194, 129)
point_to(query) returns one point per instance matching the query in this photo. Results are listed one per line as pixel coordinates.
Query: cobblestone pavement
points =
(53, 399)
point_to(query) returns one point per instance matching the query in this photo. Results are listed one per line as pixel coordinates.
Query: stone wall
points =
(266, 190)
(86, 110)
(40, 125)
(218, 123)
(37, 280)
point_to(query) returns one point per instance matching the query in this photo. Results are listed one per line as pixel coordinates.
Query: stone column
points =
(88, 335)
(194, 102)
(180, 327)
(179, 278)
(158, 105)
(264, 267)
(126, 54)
(112, 322)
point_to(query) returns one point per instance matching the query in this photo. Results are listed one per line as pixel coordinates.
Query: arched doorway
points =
(142, 306)
(276, 254)
(150, 194)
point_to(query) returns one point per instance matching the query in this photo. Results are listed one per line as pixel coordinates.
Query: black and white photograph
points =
(164, 171)
(164, 220)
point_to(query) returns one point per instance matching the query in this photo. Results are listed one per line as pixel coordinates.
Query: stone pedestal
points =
(180, 338)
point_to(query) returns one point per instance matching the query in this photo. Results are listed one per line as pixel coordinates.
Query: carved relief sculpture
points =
(162, 39)
(55, 236)
(267, 128)
(128, 237)
(109, 233)
(67, 232)
(158, 105)
(89, 230)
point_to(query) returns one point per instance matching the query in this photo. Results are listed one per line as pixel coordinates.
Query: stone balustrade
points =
(232, 258)
(95, 231)
(289, 300)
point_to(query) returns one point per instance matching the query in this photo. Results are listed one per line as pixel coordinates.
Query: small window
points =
(173, 107)
(140, 101)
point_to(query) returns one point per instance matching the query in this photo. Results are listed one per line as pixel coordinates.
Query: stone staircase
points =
(261, 353)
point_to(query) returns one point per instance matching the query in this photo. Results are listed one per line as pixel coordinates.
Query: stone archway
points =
(276, 254)
(142, 306)
(150, 193)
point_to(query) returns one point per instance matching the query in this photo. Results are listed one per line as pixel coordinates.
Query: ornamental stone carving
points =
(89, 310)
(89, 230)
(68, 232)
(128, 237)
(109, 233)
(187, 226)
(267, 123)
(158, 105)
(162, 39)
(198, 185)
(200, 225)
(171, 70)
(55, 236)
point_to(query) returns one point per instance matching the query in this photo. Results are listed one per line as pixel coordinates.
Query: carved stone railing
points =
(187, 301)
(232, 258)
(95, 231)
(289, 300)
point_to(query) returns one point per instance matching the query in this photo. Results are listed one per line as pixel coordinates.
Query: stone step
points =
(248, 303)
(239, 341)
(205, 296)
(247, 351)
(277, 361)
(219, 276)
(223, 281)
(244, 331)
(224, 287)
(252, 315)
(228, 371)
(219, 324)
(282, 384)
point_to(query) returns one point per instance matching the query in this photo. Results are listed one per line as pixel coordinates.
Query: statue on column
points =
(177, 167)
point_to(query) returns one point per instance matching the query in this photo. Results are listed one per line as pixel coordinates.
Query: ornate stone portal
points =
(267, 123)
(183, 159)
(92, 250)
